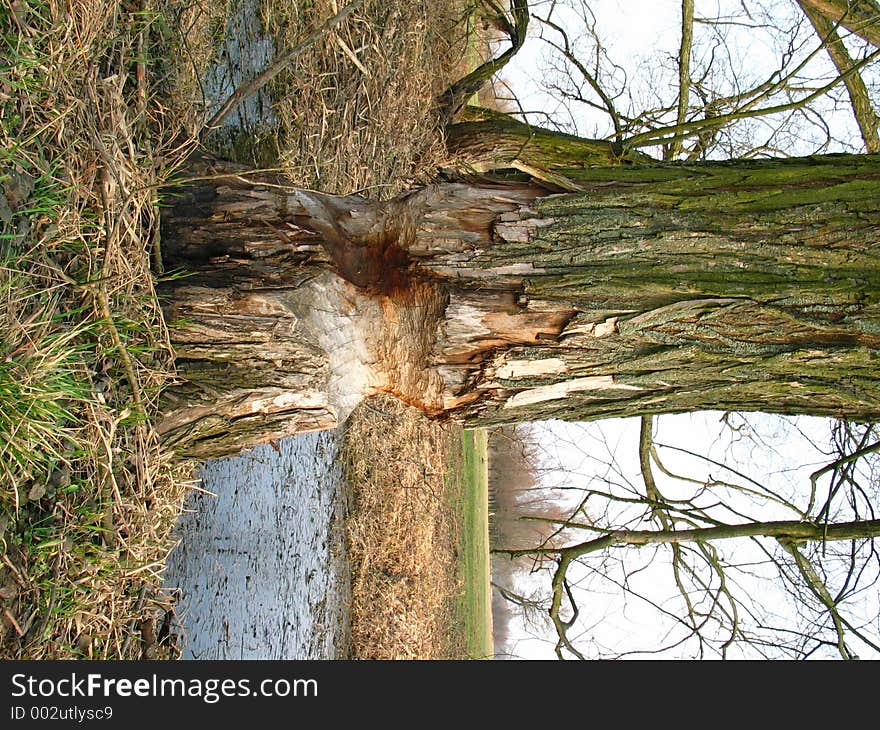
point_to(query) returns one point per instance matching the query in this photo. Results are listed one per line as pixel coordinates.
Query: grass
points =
(403, 534)
(476, 601)
(417, 536)
(87, 495)
(355, 111)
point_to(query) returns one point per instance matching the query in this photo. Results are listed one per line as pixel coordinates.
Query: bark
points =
(487, 141)
(742, 285)
(289, 303)
(745, 286)
(785, 531)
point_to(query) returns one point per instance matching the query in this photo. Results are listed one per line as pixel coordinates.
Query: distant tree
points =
(717, 541)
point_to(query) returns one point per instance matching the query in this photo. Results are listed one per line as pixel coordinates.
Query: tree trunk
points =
(857, 16)
(487, 141)
(742, 285)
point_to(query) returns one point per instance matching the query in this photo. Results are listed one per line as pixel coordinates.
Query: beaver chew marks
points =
(379, 266)
(363, 241)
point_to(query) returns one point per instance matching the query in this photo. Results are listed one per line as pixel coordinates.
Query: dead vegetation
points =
(88, 494)
(403, 534)
(100, 102)
(356, 110)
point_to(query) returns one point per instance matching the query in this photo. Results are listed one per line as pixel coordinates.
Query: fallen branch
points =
(278, 66)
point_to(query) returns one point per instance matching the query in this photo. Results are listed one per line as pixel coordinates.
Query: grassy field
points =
(476, 601)
(417, 536)
(87, 494)
(402, 533)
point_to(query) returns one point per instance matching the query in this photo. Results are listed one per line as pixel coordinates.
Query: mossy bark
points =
(739, 285)
(488, 141)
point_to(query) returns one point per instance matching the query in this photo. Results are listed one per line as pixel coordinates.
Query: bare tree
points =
(706, 99)
(718, 537)
(581, 279)
(859, 97)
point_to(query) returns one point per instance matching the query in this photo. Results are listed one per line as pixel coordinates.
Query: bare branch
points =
(655, 500)
(817, 585)
(861, 17)
(863, 109)
(453, 100)
(278, 66)
(789, 529)
(684, 73)
(689, 129)
(566, 51)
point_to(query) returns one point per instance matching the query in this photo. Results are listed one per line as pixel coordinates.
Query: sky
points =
(638, 34)
(642, 38)
(777, 452)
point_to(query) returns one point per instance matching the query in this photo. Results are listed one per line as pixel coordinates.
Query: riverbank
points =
(98, 108)
(89, 132)
(417, 536)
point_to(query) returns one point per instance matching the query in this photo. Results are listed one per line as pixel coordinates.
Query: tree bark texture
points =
(654, 288)
(487, 141)
(857, 16)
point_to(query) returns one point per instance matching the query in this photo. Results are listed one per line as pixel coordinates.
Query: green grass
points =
(80, 521)
(476, 608)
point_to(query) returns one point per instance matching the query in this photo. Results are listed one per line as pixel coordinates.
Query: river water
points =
(260, 570)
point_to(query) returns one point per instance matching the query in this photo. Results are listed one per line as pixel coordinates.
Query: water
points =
(260, 569)
(246, 51)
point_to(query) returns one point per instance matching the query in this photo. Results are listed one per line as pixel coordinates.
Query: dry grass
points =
(88, 502)
(356, 109)
(403, 534)
(357, 116)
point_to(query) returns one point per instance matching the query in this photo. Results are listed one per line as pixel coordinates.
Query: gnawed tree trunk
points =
(742, 285)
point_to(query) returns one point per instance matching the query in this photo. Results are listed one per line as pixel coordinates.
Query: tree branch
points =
(684, 73)
(863, 110)
(792, 530)
(858, 16)
(607, 102)
(689, 129)
(817, 586)
(453, 100)
(282, 62)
